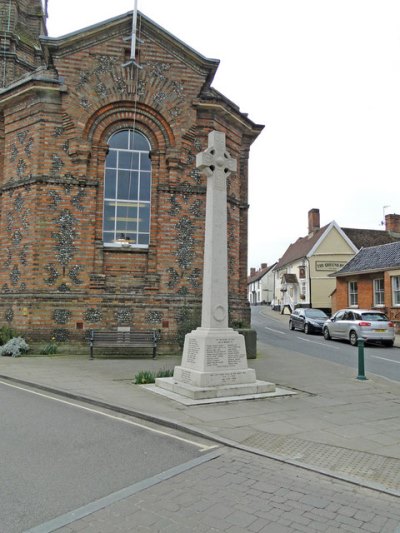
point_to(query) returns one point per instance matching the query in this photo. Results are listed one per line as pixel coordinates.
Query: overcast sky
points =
(323, 76)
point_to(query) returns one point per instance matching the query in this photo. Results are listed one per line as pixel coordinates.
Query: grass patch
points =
(147, 376)
(50, 348)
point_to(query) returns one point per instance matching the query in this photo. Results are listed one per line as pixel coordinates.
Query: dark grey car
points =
(308, 320)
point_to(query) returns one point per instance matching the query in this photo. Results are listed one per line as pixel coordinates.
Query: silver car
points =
(351, 324)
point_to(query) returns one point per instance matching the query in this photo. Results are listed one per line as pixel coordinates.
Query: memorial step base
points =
(214, 378)
(220, 391)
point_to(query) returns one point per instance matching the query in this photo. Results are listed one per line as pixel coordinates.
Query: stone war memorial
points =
(214, 362)
(102, 207)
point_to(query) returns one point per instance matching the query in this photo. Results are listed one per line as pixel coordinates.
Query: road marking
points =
(202, 447)
(385, 359)
(321, 343)
(276, 330)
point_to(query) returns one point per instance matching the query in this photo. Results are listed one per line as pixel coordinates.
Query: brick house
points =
(101, 207)
(371, 280)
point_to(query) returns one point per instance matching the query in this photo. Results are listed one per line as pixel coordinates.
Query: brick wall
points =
(366, 294)
(55, 274)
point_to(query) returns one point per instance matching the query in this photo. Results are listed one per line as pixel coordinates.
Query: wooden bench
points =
(123, 339)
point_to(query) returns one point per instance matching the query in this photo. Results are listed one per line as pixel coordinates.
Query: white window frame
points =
(125, 227)
(396, 291)
(353, 293)
(379, 292)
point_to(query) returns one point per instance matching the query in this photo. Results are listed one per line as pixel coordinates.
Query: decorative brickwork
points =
(56, 275)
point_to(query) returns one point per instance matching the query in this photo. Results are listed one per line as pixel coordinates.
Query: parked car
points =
(351, 324)
(308, 320)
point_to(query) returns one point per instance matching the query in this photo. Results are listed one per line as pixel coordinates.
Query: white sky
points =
(323, 76)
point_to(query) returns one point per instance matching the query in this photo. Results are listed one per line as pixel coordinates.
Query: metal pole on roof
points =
(133, 36)
(133, 39)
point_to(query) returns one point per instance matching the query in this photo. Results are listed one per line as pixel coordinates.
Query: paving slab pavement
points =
(236, 492)
(334, 424)
(346, 429)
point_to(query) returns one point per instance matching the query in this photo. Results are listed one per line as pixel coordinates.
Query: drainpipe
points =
(309, 281)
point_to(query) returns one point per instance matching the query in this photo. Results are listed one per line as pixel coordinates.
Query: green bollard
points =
(361, 371)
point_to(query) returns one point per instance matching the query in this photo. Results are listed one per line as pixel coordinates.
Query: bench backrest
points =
(133, 338)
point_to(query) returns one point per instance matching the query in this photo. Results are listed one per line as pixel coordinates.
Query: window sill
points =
(126, 249)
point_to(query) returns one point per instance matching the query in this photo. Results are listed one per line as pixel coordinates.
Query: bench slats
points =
(129, 339)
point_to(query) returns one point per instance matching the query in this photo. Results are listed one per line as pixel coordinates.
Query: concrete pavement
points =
(336, 425)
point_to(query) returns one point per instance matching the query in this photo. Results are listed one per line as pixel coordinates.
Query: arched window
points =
(127, 190)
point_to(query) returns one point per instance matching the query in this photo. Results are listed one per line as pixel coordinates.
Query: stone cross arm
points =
(215, 159)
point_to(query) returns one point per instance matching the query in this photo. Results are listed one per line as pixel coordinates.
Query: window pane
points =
(139, 142)
(144, 193)
(127, 217)
(119, 140)
(396, 290)
(131, 237)
(145, 161)
(110, 185)
(378, 317)
(111, 159)
(108, 236)
(143, 238)
(109, 216)
(144, 217)
(353, 294)
(127, 185)
(128, 160)
(379, 297)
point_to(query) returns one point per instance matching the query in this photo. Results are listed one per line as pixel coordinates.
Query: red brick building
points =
(101, 206)
(371, 280)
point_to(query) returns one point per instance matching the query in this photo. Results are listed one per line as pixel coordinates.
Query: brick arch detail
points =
(99, 127)
(113, 117)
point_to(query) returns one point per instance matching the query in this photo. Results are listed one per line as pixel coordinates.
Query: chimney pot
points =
(313, 220)
(392, 223)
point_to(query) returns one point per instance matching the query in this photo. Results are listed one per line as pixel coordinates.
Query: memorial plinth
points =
(214, 365)
(214, 362)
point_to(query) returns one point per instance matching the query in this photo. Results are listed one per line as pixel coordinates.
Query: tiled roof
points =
(374, 258)
(364, 238)
(361, 238)
(300, 248)
(259, 274)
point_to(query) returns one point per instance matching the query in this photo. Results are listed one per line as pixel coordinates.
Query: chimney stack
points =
(252, 271)
(313, 221)
(392, 223)
(264, 265)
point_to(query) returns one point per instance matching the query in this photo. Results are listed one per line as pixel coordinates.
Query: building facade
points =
(371, 280)
(304, 274)
(260, 284)
(102, 210)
